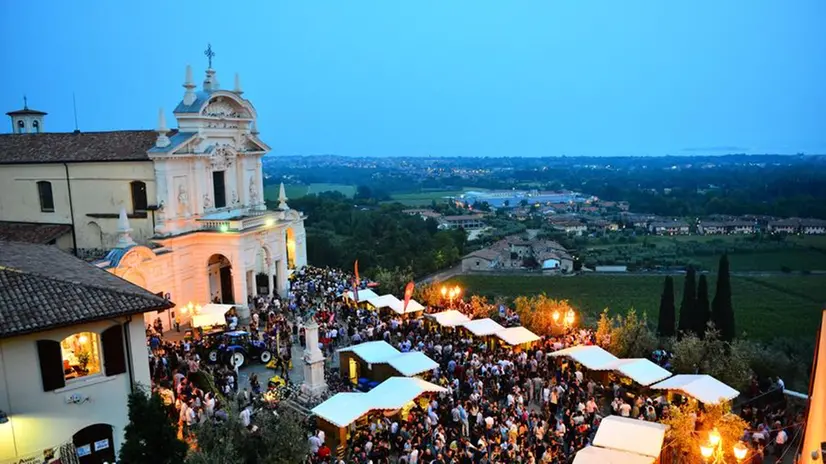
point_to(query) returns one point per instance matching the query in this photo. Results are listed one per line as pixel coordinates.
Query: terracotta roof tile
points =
(31, 232)
(59, 147)
(42, 288)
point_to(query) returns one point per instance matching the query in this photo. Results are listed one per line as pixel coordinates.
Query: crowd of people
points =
(502, 405)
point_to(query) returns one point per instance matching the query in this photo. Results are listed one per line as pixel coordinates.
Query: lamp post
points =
(713, 451)
(564, 321)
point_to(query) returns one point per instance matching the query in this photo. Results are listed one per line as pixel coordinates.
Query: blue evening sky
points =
(441, 77)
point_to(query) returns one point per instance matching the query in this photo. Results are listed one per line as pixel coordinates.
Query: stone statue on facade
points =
(183, 199)
(253, 191)
(207, 202)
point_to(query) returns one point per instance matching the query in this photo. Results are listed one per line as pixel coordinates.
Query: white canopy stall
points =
(483, 327)
(704, 388)
(384, 301)
(449, 318)
(364, 295)
(517, 336)
(412, 363)
(631, 435)
(373, 352)
(640, 370)
(211, 314)
(590, 356)
(596, 455)
(413, 306)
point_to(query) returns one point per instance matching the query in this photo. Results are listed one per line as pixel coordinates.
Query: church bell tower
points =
(26, 121)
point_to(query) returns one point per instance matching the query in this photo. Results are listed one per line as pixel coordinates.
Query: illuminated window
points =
(81, 355)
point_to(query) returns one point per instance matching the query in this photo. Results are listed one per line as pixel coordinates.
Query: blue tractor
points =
(235, 348)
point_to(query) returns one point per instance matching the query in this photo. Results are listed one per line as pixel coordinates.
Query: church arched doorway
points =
(290, 238)
(220, 279)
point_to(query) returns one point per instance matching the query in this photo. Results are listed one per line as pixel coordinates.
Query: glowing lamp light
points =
(555, 315)
(570, 317)
(706, 451)
(714, 437)
(269, 222)
(457, 290)
(83, 339)
(224, 228)
(740, 451)
(444, 291)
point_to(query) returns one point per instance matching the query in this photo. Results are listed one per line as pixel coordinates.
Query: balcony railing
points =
(250, 220)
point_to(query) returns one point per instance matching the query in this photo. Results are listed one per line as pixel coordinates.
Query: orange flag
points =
(408, 294)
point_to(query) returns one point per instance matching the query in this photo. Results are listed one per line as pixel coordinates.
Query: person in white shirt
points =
(315, 444)
(625, 409)
(246, 416)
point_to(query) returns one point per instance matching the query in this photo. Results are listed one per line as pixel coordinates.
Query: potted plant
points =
(83, 359)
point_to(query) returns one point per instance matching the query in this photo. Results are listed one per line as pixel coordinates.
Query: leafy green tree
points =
(722, 313)
(393, 280)
(727, 362)
(689, 303)
(275, 439)
(703, 309)
(151, 435)
(667, 320)
(626, 336)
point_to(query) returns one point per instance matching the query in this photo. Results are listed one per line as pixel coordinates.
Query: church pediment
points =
(225, 107)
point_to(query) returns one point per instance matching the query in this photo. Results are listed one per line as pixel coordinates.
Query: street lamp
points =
(712, 452)
(570, 317)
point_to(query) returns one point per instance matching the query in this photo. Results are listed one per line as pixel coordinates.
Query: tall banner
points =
(356, 282)
(408, 294)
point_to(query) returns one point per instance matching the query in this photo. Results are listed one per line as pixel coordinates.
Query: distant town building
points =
(481, 260)
(423, 213)
(813, 226)
(727, 227)
(511, 253)
(467, 222)
(611, 268)
(568, 225)
(669, 228)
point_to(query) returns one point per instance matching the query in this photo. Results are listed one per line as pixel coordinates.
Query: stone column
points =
(270, 277)
(282, 284)
(239, 289)
(314, 383)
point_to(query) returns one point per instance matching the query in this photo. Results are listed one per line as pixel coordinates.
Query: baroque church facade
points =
(179, 212)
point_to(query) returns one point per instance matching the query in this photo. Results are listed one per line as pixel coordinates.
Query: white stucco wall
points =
(96, 188)
(38, 419)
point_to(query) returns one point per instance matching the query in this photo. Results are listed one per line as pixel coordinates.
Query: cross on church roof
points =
(209, 54)
(25, 103)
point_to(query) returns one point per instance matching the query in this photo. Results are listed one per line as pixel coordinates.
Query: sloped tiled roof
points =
(73, 147)
(31, 232)
(42, 288)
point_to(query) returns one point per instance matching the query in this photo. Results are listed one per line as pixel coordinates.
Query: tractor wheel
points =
(237, 359)
(266, 356)
(213, 356)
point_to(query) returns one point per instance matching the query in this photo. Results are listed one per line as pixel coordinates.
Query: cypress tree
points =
(666, 324)
(703, 306)
(151, 435)
(722, 312)
(688, 314)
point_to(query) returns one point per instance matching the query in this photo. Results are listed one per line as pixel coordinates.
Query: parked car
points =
(235, 348)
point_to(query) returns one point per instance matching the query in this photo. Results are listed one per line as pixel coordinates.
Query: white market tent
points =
(596, 455)
(412, 363)
(211, 314)
(483, 327)
(517, 335)
(343, 409)
(364, 295)
(449, 318)
(384, 301)
(630, 435)
(396, 392)
(704, 388)
(590, 356)
(381, 352)
(373, 352)
(413, 306)
(640, 370)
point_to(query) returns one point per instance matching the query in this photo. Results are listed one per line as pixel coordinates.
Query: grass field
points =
(299, 190)
(766, 307)
(424, 198)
